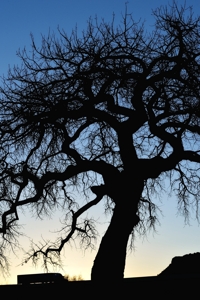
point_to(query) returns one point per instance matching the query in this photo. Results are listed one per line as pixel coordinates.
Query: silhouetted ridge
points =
(186, 264)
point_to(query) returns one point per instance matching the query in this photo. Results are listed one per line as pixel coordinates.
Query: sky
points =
(19, 19)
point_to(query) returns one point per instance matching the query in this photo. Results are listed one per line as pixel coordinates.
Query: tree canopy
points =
(110, 115)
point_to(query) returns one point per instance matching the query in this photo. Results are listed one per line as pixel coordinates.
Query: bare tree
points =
(110, 114)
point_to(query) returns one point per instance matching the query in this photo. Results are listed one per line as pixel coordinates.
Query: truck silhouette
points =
(42, 278)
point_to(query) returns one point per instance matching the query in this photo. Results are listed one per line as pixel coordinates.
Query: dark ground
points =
(131, 288)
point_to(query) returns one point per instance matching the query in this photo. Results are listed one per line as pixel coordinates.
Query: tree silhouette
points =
(109, 115)
(73, 278)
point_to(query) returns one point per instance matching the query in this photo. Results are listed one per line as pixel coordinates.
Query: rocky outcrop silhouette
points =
(188, 264)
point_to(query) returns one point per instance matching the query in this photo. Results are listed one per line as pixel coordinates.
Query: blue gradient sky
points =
(19, 18)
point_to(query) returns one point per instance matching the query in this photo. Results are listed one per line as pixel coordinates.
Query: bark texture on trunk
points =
(110, 260)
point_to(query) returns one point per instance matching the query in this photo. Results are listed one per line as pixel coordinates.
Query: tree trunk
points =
(110, 260)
